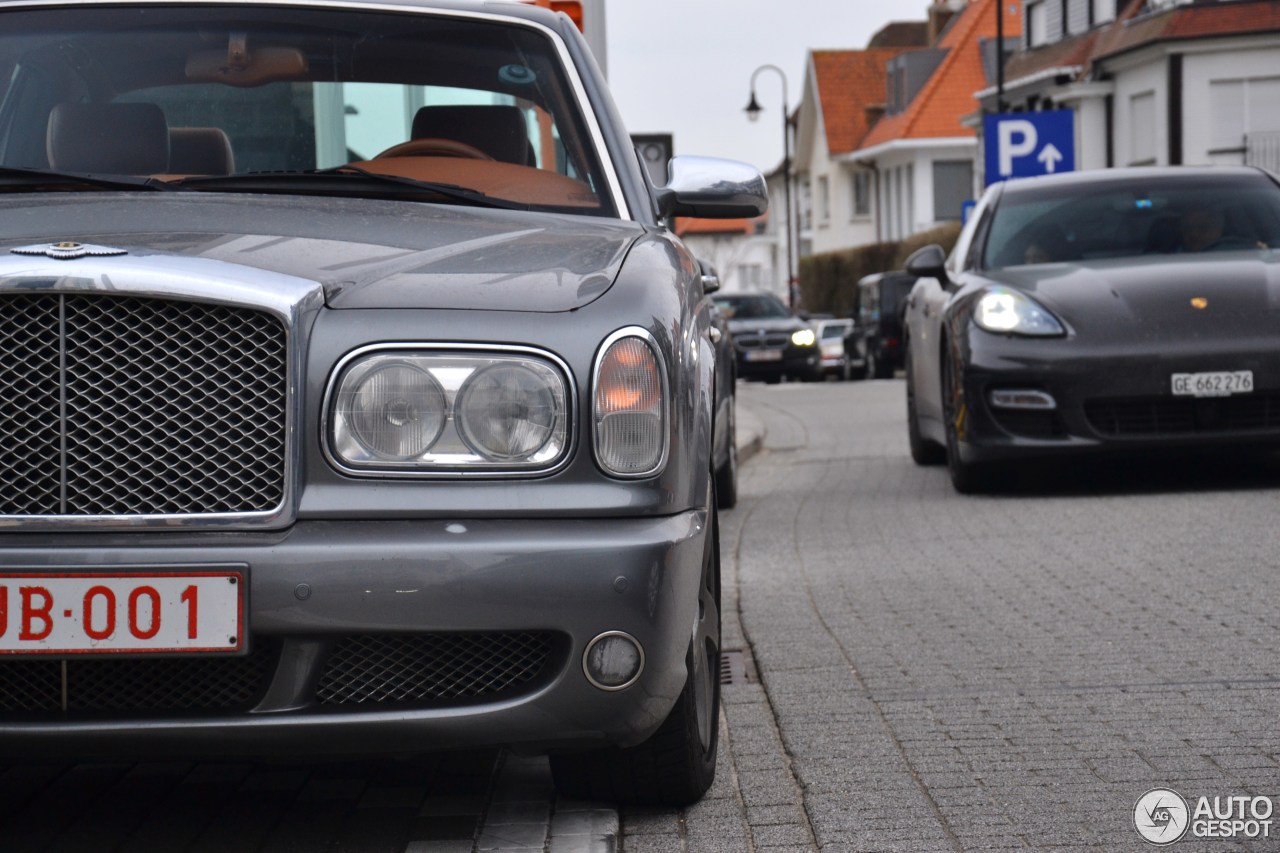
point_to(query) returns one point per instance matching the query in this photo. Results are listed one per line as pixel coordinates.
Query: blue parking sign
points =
(1022, 145)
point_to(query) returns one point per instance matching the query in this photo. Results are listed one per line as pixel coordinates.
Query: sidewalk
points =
(749, 432)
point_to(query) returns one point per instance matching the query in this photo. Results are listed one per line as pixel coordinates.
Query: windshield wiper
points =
(36, 179)
(350, 179)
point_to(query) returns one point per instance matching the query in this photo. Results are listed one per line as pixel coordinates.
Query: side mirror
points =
(710, 188)
(929, 262)
(710, 278)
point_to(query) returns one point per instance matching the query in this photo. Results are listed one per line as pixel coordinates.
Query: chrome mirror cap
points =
(711, 188)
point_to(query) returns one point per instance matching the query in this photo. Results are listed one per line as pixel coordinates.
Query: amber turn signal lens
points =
(629, 380)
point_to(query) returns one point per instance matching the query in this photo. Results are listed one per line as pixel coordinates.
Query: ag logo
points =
(1161, 816)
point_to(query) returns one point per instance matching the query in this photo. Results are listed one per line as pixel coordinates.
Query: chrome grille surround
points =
(150, 391)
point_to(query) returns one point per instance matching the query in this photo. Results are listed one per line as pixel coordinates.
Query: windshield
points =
(751, 307)
(176, 93)
(1170, 215)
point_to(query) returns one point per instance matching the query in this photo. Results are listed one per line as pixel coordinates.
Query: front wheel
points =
(966, 477)
(727, 474)
(677, 764)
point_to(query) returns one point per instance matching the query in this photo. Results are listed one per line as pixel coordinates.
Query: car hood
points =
(366, 254)
(766, 324)
(1152, 299)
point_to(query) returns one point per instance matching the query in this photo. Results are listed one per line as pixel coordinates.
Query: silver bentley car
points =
(355, 397)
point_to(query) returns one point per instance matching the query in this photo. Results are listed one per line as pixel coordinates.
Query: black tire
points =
(727, 474)
(966, 477)
(677, 764)
(923, 450)
(877, 366)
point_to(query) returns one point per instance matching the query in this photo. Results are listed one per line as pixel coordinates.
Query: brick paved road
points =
(972, 673)
(942, 672)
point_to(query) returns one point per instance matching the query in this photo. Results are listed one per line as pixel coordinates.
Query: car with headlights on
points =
(1106, 311)
(772, 342)
(358, 399)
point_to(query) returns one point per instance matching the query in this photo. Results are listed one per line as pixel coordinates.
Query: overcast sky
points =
(684, 66)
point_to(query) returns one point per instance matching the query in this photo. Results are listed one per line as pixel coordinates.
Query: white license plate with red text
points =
(764, 355)
(68, 613)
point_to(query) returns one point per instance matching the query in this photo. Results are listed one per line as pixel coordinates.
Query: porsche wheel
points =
(677, 764)
(966, 477)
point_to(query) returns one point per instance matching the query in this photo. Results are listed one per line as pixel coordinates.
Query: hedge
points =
(828, 281)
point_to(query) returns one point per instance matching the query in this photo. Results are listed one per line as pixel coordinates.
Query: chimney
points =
(940, 12)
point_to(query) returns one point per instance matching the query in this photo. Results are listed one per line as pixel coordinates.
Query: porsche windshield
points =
(1084, 221)
(184, 93)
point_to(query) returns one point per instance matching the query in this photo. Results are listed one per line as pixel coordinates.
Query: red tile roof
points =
(849, 81)
(689, 225)
(1133, 30)
(948, 94)
(1200, 20)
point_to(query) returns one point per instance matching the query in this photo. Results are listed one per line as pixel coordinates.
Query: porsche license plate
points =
(1216, 384)
(764, 355)
(75, 613)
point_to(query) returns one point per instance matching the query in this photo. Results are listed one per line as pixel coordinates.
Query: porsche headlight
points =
(1010, 312)
(629, 405)
(804, 338)
(422, 412)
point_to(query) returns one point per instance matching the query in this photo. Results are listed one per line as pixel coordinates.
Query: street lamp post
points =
(753, 113)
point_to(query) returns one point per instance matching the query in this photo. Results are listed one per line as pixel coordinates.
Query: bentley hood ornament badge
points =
(67, 250)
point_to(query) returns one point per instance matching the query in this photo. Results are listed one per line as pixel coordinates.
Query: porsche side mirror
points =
(929, 262)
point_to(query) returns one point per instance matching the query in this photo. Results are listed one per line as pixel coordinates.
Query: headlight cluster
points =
(804, 338)
(404, 411)
(1007, 311)
(449, 412)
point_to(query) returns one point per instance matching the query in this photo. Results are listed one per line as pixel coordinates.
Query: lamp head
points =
(753, 108)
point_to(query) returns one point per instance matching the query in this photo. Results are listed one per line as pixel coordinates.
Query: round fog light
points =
(613, 661)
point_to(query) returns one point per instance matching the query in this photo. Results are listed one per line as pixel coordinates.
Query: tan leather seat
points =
(117, 139)
(499, 131)
(200, 151)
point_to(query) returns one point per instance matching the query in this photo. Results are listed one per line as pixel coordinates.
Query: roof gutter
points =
(1072, 71)
(899, 145)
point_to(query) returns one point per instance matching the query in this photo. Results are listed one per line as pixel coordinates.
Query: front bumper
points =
(322, 581)
(795, 361)
(1114, 399)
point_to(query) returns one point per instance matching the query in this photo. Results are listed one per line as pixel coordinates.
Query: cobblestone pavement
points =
(911, 670)
(1005, 672)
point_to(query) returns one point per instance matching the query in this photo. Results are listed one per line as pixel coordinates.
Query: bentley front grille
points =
(126, 406)
(433, 669)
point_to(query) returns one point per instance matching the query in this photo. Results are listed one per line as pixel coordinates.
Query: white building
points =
(1154, 82)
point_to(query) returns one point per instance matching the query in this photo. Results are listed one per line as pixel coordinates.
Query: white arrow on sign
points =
(1049, 157)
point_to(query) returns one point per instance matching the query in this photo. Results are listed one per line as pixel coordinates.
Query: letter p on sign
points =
(1025, 134)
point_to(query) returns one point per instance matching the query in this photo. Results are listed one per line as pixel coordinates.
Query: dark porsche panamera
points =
(1105, 311)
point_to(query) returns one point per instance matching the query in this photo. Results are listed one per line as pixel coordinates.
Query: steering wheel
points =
(434, 147)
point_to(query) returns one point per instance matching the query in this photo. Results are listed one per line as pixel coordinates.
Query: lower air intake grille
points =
(1144, 416)
(427, 669)
(147, 685)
